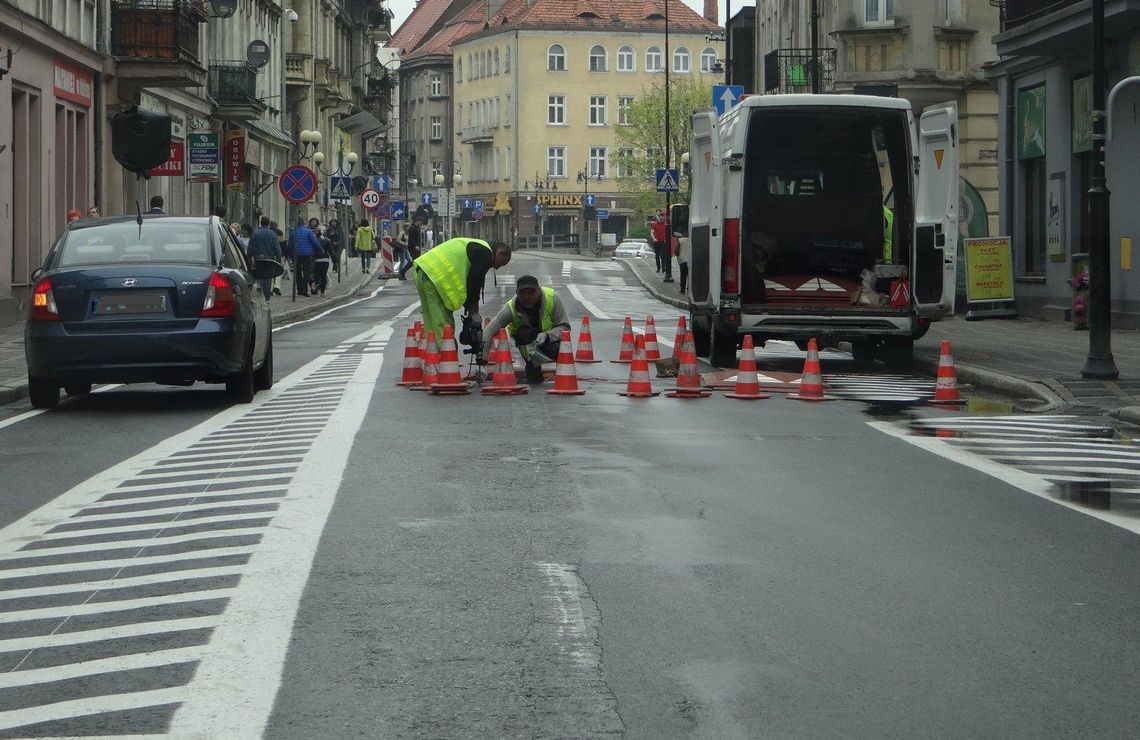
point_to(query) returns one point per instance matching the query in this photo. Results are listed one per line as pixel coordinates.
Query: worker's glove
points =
(535, 355)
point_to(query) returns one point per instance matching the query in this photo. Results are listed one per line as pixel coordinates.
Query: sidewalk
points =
(1025, 358)
(13, 368)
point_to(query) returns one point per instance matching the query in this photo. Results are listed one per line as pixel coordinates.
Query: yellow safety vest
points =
(447, 266)
(547, 321)
(888, 235)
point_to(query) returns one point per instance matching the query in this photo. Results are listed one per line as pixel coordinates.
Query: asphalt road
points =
(346, 558)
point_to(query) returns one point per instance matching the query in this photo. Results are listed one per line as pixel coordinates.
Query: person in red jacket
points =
(657, 231)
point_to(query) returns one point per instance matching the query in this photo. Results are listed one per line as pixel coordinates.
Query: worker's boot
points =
(534, 374)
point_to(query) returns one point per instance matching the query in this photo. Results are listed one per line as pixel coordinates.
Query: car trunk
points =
(815, 184)
(124, 296)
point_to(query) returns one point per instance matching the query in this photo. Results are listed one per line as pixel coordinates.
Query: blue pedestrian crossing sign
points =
(340, 188)
(726, 96)
(478, 205)
(667, 181)
(425, 198)
(398, 209)
(589, 200)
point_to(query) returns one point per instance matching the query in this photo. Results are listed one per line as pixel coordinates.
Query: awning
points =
(272, 134)
(363, 123)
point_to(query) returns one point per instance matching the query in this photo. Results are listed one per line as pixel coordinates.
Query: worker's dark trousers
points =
(524, 336)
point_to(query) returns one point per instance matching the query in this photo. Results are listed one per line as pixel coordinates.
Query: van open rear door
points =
(706, 208)
(936, 211)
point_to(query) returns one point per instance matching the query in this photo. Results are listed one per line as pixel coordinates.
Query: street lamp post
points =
(537, 186)
(341, 171)
(584, 178)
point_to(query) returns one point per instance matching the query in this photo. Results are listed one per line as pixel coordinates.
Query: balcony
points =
(155, 42)
(792, 70)
(477, 135)
(298, 71)
(233, 86)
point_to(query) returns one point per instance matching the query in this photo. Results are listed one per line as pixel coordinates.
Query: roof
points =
(645, 16)
(467, 22)
(418, 25)
(805, 100)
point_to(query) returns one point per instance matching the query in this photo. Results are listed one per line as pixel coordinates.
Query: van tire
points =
(898, 354)
(863, 353)
(722, 350)
(701, 339)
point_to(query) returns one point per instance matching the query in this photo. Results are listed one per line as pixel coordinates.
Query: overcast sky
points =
(402, 8)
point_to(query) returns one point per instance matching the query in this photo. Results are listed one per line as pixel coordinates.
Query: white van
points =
(807, 210)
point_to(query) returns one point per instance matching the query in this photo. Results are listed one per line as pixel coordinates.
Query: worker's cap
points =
(525, 282)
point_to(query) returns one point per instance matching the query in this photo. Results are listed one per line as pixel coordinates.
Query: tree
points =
(641, 143)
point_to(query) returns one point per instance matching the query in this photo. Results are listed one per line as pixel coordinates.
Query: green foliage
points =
(645, 135)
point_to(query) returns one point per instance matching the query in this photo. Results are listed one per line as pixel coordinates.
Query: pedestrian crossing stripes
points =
(880, 388)
(153, 594)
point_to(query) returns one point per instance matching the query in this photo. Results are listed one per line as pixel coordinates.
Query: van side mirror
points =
(679, 219)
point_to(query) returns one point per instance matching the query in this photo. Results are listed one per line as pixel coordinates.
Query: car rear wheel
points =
(241, 385)
(42, 393)
(263, 376)
(77, 389)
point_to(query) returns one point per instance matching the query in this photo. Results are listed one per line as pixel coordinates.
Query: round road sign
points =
(297, 183)
(370, 198)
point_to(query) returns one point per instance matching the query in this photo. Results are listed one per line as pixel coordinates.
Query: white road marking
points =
(587, 304)
(135, 661)
(332, 310)
(91, 705)
(220, 571)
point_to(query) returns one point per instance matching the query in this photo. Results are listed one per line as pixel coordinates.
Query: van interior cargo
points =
(816, 185)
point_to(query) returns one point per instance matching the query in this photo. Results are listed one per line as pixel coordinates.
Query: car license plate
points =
(124, 303)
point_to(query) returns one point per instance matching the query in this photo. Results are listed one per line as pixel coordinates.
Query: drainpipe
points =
(97, 170)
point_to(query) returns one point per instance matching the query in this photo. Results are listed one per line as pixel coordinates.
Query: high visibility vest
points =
(547, 320)
(888, 235)
(447, 267)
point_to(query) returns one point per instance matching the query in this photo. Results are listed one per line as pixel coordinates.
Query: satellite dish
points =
(223, 8)
(257, 53)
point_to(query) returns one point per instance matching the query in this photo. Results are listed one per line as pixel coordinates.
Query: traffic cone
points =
(449, 383)
(946, 389)
(688, 377)
(811, 383)
(503, 382)
(652, 351)
(625, 354)
(413, 367)
(431, 361)
(747, 382)
(639, 385)
(682, 330)
(565, 374)
(585, 351)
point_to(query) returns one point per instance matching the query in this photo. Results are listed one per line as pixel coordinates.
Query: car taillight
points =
(219, 297)
(730, 257)
(43, 302)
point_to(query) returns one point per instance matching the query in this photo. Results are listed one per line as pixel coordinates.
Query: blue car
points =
(169, 300)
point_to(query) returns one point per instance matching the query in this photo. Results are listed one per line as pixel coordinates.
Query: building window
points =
(708, 59)
(436, 128)
(556, 161)
(556, 58)
(623, 104)
(556, 110)
(459, 71)
(598, 58)
(436, 85)
(496, 61)
(507, 163)
(436, 169)
(653, 60)
(625, 163)
(507, 112)
(625, 59)
(598, 160)
(878, 11)
(1033, 208)
(681, 60)
(507, 59)
(597, 110)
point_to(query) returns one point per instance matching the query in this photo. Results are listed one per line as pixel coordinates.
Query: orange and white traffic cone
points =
(625, 354)
(689, 376)
(503, 382)
(811, 382)
(639, 385)
(682, 330)
(431, 361)
(565, 374)
(413, 366)
(946, 388)
(585, 351)
(747, 381)
(449, 383)
(652, 351)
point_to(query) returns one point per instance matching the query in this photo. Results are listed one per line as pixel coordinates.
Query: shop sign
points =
(1055, 218)
(1082, 114)
(72, 83)
(561, 201)
(1031, 123)
(989, 270)
(235, 158)
(253, 153)
(173, 166)
(205, 162)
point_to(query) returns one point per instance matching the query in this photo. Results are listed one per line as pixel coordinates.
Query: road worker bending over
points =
(450, 277)
(535, 318)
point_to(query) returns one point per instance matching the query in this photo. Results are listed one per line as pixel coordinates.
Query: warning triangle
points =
(667, 182)
(938, 157)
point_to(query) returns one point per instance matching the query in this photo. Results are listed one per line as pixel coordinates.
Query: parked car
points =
(633, 248)
(167, 299)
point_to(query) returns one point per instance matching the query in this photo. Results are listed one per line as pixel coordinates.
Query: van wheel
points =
(700, 339)
(42, 393)
(240, 385)
(722, 350)
(263, 376)
(898, 354)
(863, 353)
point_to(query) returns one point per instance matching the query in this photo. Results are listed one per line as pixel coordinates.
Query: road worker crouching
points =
(534, 318)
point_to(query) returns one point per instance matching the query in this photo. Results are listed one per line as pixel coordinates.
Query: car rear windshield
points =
(124, 242)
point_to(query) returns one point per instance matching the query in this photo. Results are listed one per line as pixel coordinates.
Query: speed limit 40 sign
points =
(370, 199)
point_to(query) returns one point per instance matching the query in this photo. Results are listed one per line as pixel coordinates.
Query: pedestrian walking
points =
(322, 261)
(684, 249)
(303, 244)
(336, 242)
(365, 244)
(657, 231)
(263, 245)
(402, 247)
(451, 277)
(534, 318)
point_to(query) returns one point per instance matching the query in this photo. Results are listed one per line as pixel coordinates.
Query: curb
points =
(653, 289)
(1129, 414)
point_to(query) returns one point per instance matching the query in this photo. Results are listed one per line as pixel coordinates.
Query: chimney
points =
(711, 12)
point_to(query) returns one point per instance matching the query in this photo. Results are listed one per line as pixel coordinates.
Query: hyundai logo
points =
(129, 282)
